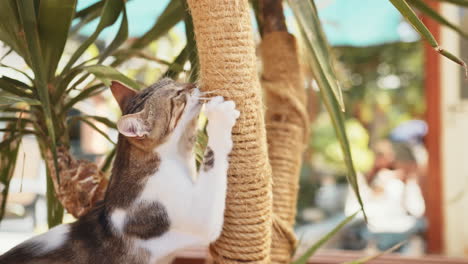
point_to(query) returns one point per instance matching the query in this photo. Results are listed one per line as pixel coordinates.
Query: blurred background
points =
(407, 131)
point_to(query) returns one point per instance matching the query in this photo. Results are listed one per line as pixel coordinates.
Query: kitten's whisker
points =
(204, 98)
(210, 92)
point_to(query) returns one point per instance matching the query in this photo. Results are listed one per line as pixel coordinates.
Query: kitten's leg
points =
(210, 195)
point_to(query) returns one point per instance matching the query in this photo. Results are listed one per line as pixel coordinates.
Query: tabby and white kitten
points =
(153, 207)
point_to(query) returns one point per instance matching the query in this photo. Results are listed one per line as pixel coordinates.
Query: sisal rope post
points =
(228, 66)
(287, 130)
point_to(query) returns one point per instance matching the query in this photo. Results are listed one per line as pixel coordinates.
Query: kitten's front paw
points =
(221, 112)
(222, 116)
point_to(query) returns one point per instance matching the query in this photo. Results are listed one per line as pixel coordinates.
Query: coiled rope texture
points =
(287, 130)
(228, 66)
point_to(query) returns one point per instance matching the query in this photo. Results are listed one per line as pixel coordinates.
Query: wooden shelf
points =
(198, 256)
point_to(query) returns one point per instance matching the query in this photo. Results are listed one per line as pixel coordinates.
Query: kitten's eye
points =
(179, 93)
(180, 97)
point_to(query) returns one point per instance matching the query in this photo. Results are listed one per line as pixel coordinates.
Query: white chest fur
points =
(171, 186)
(195, 208)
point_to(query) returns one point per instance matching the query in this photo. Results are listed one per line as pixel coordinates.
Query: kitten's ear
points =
(133, 125)
(122, 93)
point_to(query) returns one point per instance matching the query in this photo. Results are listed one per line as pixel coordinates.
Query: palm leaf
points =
(102, 120)
(87, 18)
(200, 147)
(172, 14)
(90, 9)
(86, 93)
(426, 9)
(22, 131)
(14, 119)
(177, 66)
(6, 54)
(14, 87)
(21, 85)
(8, 156)
(191, 47)
(7, 140)
(321, 64)
(8, 99)
(119, 39)
(107, 74)
(312, 27)
(311, 251)
(93, 126)
(54, 207)
(27, 13)
(55, 18)
(18, 71)
(63, 82)
(10, 28)
(108, 161)
(110, 13)
(419, 26)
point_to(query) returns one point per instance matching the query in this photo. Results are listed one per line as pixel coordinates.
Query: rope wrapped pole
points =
(228, 66)
(286, 123)
(287, 127)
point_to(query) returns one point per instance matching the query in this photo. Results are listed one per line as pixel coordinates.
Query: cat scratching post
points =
(287, 127)
(228, 66)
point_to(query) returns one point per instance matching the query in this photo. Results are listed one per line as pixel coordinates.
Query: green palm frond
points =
(424, 32)
(321, 63)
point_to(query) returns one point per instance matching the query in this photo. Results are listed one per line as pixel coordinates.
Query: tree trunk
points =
(81, 185)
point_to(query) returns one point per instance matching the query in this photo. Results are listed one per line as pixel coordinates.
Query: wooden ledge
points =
(198, 256)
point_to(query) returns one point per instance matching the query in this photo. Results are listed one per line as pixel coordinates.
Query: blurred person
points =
(392, 199)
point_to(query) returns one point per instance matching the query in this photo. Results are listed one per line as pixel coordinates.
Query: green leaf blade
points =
(28, 19)
(177, 66)
(110, 13)
(9, 148)
(311, 251)
(13, 86)
(55, 17)
(93, 126)
(107, 74)
(330, 92)
(11, 29)
(426, 9)
(191, 44)
(424, 32)
(119, 39)
(90, 9)
(7, 99)
(173, 14)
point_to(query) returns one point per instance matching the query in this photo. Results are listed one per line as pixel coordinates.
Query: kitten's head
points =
(153, 114)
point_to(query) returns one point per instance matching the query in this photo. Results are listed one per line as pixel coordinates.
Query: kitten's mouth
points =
(203, 97)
